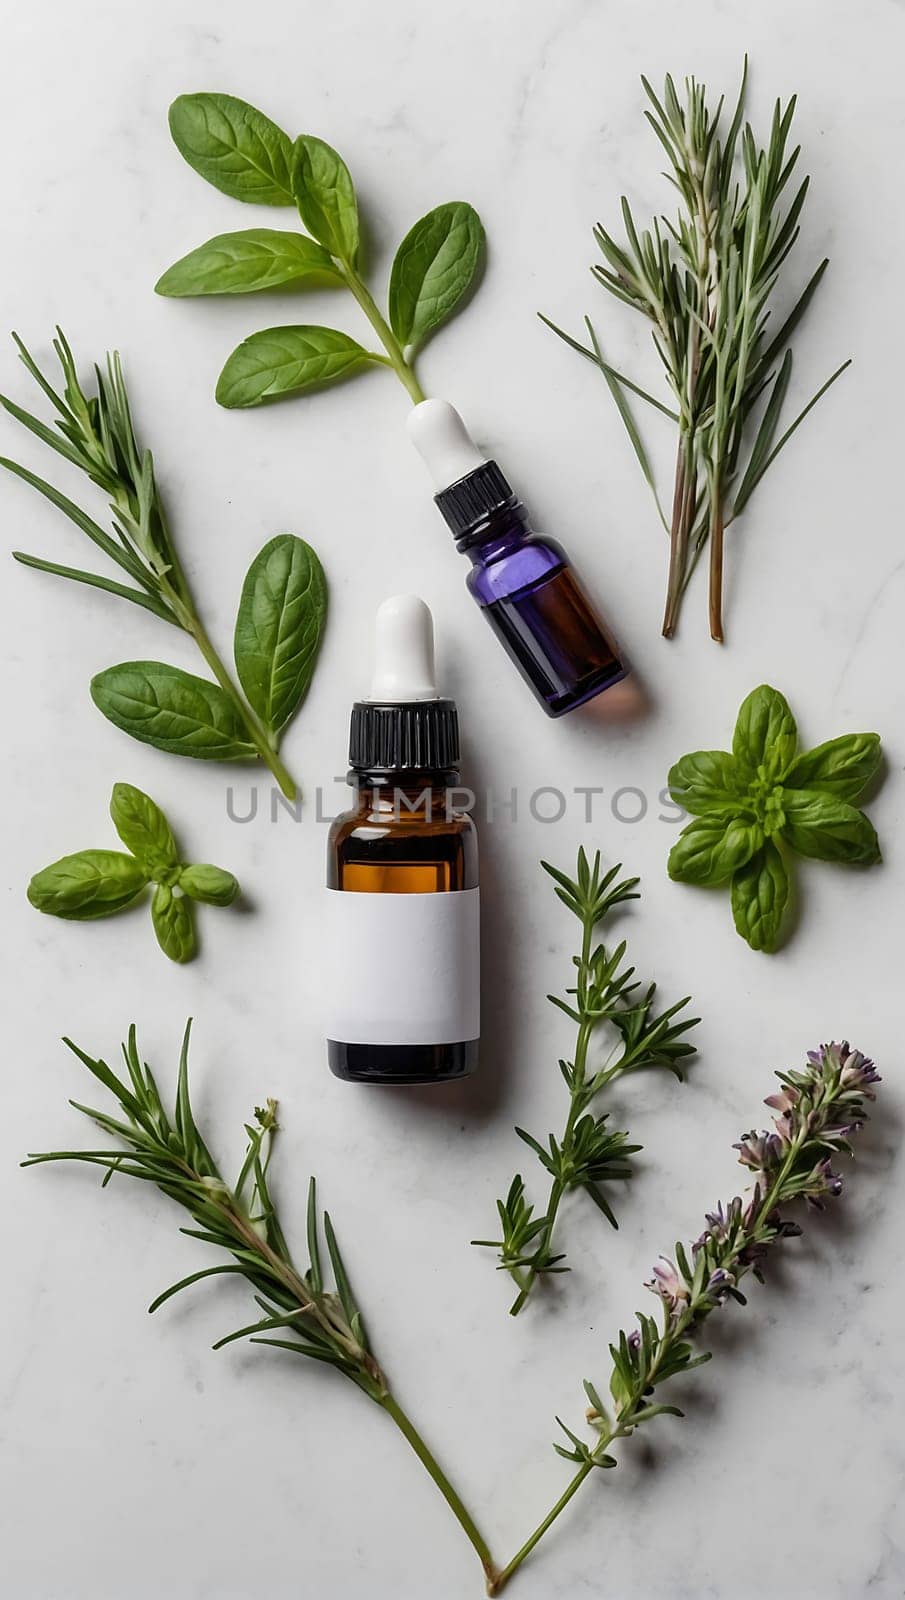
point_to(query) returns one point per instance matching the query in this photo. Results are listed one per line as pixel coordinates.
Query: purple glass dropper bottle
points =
(522, 581)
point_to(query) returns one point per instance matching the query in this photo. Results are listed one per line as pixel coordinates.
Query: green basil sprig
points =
(98, 883)
(755, 806)
(284, 598)
(240, 151)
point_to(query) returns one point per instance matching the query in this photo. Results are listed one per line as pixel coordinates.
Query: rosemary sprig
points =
(706, 282)
(310, 1313)
(95, 433)
(818, 1110)
(589, 1153)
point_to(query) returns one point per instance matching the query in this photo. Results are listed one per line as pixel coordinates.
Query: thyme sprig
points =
(818, 1109)
(589, 1153)
(706, 281)
(311, 1312)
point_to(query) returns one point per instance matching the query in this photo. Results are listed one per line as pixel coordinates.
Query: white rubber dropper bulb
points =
(443, 442)
(403, 652)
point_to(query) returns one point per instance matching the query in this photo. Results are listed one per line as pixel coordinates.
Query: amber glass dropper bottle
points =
(402, 916)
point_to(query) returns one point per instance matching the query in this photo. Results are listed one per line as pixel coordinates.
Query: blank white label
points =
(402, 968)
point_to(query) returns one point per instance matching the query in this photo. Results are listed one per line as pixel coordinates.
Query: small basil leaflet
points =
(239, 150)
(92, 884)
(279, 627)
(760, 895)
(171, 915)
(752, 808)
(143, 828)
(98, 883)
(209, 884)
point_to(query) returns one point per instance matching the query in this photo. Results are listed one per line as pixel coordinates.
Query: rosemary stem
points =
(453, 1500)
(403, 369)
(716, 565)
(586, 1028)
(257, 735)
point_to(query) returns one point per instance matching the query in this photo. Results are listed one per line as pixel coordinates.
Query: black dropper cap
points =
(405, 727)
(473, 501)
(410, 736)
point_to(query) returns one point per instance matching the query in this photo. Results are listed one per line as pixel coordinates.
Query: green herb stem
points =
(588, 1154)
(674, 1331)
(456, 1505)
(256, 732)
(497, 1585)
(403, 369)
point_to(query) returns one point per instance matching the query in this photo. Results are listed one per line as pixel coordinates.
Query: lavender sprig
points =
(818, 1109)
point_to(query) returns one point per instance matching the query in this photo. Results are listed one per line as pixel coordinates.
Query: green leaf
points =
(94, 580)
(760, 894)
(709, 850)
(768, 461)
(708, 783)
(143, 828)
(841, 767)
(172, 710)
(211, 884)
(292, 360)
(434, 268)
(234, 146)
(173, 924)
(279, 627)
(828, 829)
(765, 436)
(766, 737)
(325, 195)
(86, 524)
(91, 884)
(244, 263)
(625, 411)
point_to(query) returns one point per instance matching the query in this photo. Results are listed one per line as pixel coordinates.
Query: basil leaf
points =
(760, 894)
(172, 710)
(83, 887)
(292, 360)
(246, 262)
(143, 828)
(709, 850)
(828, 829)
(174, 924)
(278, 628)
(765, 737)
(842, 767)
(234, 146)
(434, 267)
(210, 884)
(707, 783)
(325, 195)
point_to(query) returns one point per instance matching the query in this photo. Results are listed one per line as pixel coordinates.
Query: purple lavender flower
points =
(669, 1284)
(762, 1152)
(824, 1181)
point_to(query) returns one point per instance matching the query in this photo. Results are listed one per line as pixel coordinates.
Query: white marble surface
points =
(135, 1462)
